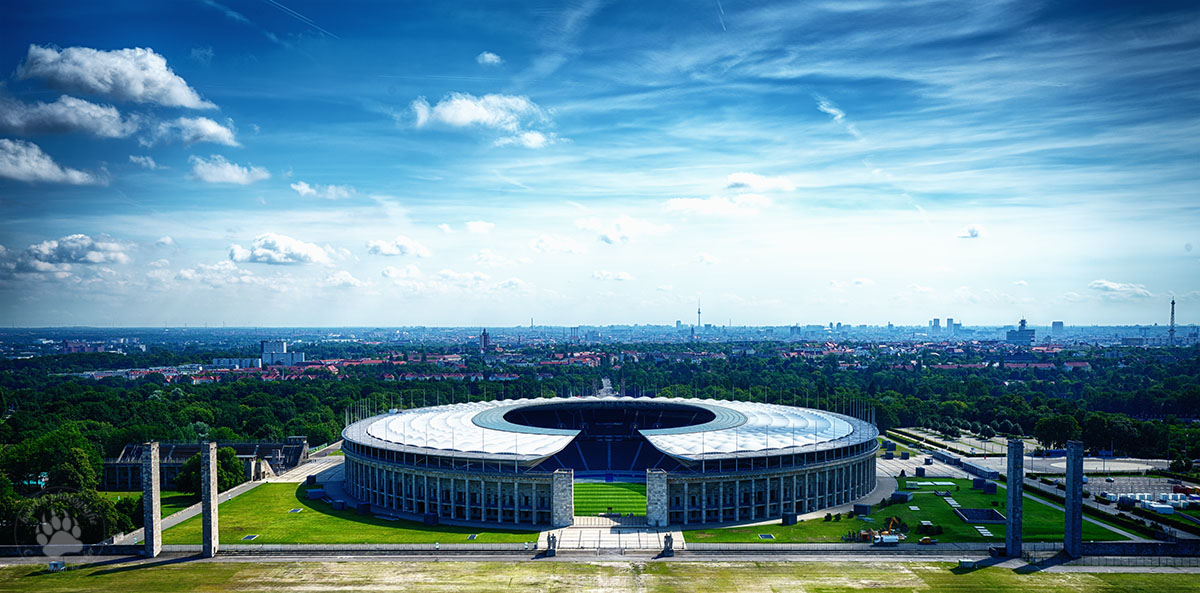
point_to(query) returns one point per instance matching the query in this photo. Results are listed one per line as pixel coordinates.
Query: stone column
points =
(562, 498)
(151, 500)
(1015, 512)
(657, 512)
(1073, 532)
(209, 497)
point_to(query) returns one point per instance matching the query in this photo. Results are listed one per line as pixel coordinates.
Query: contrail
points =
(721, 16)
(300, 17)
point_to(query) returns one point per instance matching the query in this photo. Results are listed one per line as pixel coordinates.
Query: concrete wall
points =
(1014, 509)
(562, 498)
(1073, 497)
(209, 499)
(152, 499)
(657, 514)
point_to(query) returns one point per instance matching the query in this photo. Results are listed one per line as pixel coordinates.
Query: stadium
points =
(516, 461)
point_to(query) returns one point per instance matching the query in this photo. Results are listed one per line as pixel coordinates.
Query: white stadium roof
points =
(738, 429)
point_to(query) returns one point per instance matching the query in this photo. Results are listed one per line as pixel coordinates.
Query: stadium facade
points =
(515, 461)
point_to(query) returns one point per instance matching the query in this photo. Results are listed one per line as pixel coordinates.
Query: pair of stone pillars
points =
(1072, 496)
(152, 499)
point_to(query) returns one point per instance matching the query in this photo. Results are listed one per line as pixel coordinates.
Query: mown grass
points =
(263, 511)
(565, 577)
(172, 501)
(1041, 522)
(592, 498)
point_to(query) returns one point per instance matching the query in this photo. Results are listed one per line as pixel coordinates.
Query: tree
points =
(230, 472)
(1053, 432)
(74, 472)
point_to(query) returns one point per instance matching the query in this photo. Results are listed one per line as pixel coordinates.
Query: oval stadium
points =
(516, 461)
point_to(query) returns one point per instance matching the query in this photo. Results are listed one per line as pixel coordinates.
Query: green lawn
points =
(172, 501)
(1041, 522)
(592, 498)
(566, 577)
(264, 511)
(900, 447)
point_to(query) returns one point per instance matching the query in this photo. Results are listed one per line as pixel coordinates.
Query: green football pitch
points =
(280, 513)
(592, 498)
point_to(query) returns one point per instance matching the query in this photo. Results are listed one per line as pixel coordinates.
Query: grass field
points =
(172, 501)
(564, 577)
(1041, 523)
(900, 447)
(263, 511)
(593, 498)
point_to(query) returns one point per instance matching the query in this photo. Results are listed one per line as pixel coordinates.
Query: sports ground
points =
(690, 577)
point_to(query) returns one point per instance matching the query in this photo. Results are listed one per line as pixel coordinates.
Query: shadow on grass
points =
(979, 565)
(127, 564)
(1055, 560)
(324, 508)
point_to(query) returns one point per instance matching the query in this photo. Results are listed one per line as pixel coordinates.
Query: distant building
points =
(485, 342)
(75, 347)
(1056, 328)
(1022, 336)
(275, 352)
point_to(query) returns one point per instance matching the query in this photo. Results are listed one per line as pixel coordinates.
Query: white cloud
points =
(329, 192)
(276, 249)
(555, 244)
(528, 139)
(25, 161)
(138, 75)
(512, 114)
(839, 116)
(759, 183)
(864, 282)
(59, 255)
(220, 274)
(971, 231)
(191, 130)
(613, 276)
(1119, 290)
(706, 259)
(739, 205)
(488, 258)
(67, 114)
(445, 228)
(1021, 283)
(401, 245)
(665, 288)
(514, 285)
(480, 227)
(409, 271)
(165, 241)
(159, 263)
(143, 161)
(919, 288)
(216, 169)
(488, 58)
(622, 230)
(464, 279)
(342, 279)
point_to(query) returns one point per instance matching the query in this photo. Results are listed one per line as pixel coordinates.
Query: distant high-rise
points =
(485, 341)
(275, 352)
(678, 324)
(1057, 329)
(950, 325)
(1171, 332)
(1022, 336)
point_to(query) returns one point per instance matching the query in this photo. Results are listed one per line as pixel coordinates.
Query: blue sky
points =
(388, 163)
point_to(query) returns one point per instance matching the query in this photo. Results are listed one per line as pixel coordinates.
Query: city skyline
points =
(596, 163)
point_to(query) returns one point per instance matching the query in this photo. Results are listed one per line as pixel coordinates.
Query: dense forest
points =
(58, 428)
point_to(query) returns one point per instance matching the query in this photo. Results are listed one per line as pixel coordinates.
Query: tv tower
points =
(698, 313)
(1171, 332)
